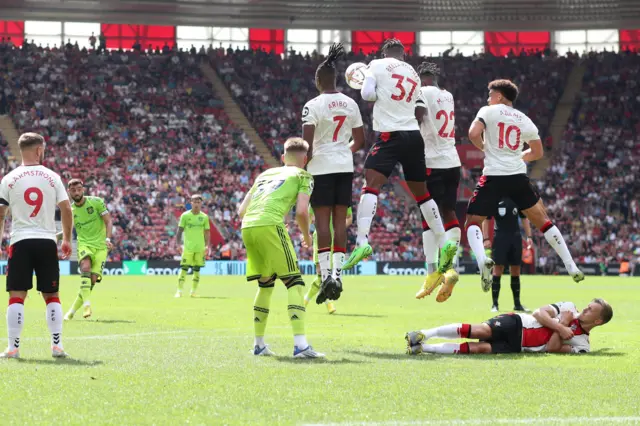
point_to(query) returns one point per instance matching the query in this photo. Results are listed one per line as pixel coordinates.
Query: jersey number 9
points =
(35, 202)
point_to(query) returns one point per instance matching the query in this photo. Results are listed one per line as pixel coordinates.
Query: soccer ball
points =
(355, 75)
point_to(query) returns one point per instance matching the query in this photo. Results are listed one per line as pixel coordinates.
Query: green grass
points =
(146, 358)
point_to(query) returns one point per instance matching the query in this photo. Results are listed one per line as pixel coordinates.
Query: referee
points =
(507, 248)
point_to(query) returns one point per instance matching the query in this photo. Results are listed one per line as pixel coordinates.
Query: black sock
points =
(495, 289)
(515, 288)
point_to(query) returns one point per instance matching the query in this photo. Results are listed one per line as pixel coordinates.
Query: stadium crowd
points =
(146, 130)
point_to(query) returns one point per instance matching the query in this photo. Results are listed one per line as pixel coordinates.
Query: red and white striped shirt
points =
(535, 337)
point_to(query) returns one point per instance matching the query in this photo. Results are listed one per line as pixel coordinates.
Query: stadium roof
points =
(410, 15)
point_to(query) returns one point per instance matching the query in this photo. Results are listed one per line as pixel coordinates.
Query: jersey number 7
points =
(340, 120)
(36, 202)
(400, 79)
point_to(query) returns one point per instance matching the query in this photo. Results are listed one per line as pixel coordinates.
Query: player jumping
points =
(195, 226)
(435, 113)
(393, 85)
(32, 192)
(93, 227)
(329, 120)
(505, 131)
(315, 286)
(552, 328)
(270, 253)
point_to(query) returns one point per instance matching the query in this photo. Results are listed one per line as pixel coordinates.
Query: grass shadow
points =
(291, 360)
(211, 297)
(60, 361)
(394, 356)
(115, 321)
(605, 352)
(360, 315)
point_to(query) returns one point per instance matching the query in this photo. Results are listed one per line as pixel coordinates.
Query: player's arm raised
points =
(546, 317)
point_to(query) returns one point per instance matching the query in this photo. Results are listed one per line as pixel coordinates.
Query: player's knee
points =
(86, 274)
(267, 282)
(185, 268)
(51, 297)
(479, 348)
(515, 271)
(293, 281)
(473, 220)
(196, 269)
(498, 270)
(480, 331)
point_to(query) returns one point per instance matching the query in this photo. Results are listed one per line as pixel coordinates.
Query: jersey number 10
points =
(504, 136)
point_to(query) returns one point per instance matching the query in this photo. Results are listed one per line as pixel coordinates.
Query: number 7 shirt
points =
(505, 132)
(32, 194)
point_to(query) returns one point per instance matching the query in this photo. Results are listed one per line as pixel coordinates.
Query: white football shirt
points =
(334, 115)
(535, 337)
(506, 131)
(32, 194)
(438, 128)
(397, 91)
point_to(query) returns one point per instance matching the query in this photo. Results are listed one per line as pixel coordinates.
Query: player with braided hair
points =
(393, 86)
(328, 122)
(435, 113)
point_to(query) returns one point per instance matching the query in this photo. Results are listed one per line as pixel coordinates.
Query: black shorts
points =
(404, 147)
(29, 256)
(334, 189)
(506, 334)
(507, 249)
(443, 186)
(490, 189)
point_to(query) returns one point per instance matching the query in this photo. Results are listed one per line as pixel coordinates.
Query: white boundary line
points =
(532, 420)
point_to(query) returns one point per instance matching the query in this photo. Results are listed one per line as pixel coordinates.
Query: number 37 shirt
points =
(505, 132)
(32, 194)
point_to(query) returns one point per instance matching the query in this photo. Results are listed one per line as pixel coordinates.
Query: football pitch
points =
(147, 358)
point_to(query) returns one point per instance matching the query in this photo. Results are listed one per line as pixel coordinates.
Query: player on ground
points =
(507, 249)
(32, 192)
(93, 227)
(501, 131)
(435, 113)
(552, 328)
(315, 286)
(329, 120)
(195, 226)
(270, 254)
(393, 85)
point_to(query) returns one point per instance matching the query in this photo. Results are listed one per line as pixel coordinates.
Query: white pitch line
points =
(533, 420)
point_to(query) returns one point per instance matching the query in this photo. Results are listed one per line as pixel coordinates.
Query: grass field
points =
(147, 358)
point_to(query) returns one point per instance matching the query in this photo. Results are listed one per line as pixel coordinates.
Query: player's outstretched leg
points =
(54, 323)
(417, 340)
(195, 281)
(448, 255)
(297, 314)
(261, 314)
(314, 288)
(430, 247)
(181, 280)
(77, 304)
(15, 324)
(474, 236)
(366, 211)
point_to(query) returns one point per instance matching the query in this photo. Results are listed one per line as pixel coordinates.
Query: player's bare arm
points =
(3, 215)
(535, 151)
(358, 139)
(243, 206)
(308, 132)
(527, 232)
(302, 218)
(475, 134)
(66, 215)
(207, 236)
(420, 112)
(368, 90)
(179, 235)
(556, 344)
(108, 223)
(545, 316)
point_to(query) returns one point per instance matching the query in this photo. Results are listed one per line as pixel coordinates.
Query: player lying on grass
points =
(93, 227)
(315, 286)
(552, 328)
(270, 254)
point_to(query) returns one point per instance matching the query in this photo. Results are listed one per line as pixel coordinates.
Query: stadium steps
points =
(561, 117)
(10, 133)
(237, 116)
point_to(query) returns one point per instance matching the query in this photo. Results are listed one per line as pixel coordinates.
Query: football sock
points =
(196, 279)
(452, 233)
(261, 308)
(515, 288)
(446, 348)
(495, 289)
(314, 289)
(366, 210)
(449, 331)
(295, 306)
(338, 260)
(430, 247)
(85, 288)
(15, 321)
(474, 235)
(54, 321)
(182, 277)
(324, 259)
(555, 239)
(431, 214)
(77, 304)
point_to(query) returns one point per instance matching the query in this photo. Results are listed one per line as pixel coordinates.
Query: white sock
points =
(324, 259)
(338, 260)
(474, 235)
(87, 303)
(442, 348)
(54, 321)
(453, 234)
(431, 248)
(15, 323)
(449, 331)
(259, 341)
(431, 214)
(555, 239)
(300, 340)
(366, 211)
